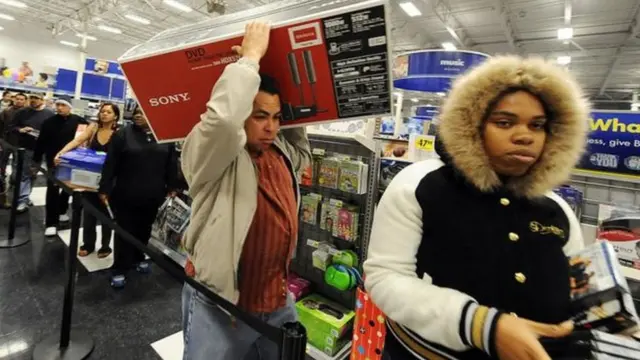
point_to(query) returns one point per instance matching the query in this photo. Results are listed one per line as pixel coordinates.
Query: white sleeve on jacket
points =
(435, 313)
(215, 142)
(576, 240)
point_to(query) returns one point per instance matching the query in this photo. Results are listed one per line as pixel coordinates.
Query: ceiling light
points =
(69, 43)
(564, 60)
(442, 94)
(565, 33)
(110, 29)
(177, 5)
(410, 8)
(6, 17)
(449, 46)
(1, 28)
(88, 37)
(18, 4)
(415, 100)
(397, 93)
(138, 19)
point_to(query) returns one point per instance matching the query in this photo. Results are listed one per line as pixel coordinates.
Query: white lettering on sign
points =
(169, 99)
(452, 62)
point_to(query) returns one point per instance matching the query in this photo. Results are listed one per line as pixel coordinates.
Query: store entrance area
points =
(123, 324)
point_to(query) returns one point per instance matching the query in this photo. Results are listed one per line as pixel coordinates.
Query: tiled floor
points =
(122, 323)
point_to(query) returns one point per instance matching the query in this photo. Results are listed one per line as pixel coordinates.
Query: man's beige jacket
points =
(223, 181)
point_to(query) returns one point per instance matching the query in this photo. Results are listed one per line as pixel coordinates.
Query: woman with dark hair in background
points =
(96, 137)
(137, 176)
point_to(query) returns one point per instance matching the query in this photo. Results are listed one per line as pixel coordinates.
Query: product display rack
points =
(605, 189)
(302, 263)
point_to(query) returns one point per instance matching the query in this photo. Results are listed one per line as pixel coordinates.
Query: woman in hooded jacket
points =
(467, 256)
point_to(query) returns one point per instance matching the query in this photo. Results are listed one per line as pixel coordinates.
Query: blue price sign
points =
(614, 143)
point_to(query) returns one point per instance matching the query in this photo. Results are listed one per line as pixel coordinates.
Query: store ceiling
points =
(604, 50)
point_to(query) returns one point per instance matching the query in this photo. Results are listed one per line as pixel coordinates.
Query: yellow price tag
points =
(425, 143)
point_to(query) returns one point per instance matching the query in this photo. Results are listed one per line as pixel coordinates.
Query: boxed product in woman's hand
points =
(81, 167)
(600, 294)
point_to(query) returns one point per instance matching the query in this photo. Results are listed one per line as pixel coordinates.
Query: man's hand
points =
(26, 129)
(255, 42)
(517, 339)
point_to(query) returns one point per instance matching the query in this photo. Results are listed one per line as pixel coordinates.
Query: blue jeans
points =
(209, 333)
(25, 178)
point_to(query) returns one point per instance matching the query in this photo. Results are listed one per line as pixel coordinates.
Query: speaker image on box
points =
(292, 112)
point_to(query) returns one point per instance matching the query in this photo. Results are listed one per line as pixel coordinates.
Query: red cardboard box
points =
(331, 60)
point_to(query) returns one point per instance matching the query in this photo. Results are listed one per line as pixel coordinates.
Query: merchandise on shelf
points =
(600, 296)
(328, 324)
(329, 172)
(573, 196)
(81, 167)
(340, 219)
(310, 208)
(621, 227)
(388, 170)
(395, 149)
(298, 286)
(338, 171)
(353, 176)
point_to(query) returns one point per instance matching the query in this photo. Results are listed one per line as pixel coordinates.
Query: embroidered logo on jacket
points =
(536, 227)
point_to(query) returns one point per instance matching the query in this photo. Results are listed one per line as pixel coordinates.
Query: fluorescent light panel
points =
(68, 43)
(565, 33)
(138, 19)
(18, 4)
(449, 46)
(7, 17)
(110, 29)
(88, 37)
(564, 60)
(410, 8)
(1, 28)
(177, 5)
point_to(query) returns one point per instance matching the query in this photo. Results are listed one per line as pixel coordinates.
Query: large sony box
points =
(331, 60)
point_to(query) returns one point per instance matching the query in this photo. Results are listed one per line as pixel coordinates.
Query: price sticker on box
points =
(422, 147)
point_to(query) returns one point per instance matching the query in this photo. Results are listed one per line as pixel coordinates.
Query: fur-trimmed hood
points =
(463, 111)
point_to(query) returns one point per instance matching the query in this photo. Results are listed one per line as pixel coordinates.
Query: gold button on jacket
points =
(514, 237)
(520, 277)
(505, 202)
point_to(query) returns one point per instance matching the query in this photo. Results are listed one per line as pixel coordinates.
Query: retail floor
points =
(122, 323)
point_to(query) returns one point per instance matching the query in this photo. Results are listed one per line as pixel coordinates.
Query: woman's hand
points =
(104, 198)
(56, 160)
(517, 339)
(255, 42)
(172, 194)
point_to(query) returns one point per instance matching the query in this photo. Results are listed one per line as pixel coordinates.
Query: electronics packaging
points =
(600, 295)
(621, 227)
(81, 167)
(331, 60)
(171, 222)
(328, 324)
(592, 344)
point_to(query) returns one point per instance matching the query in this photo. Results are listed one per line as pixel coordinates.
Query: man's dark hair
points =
(21, 94)
(269, 85)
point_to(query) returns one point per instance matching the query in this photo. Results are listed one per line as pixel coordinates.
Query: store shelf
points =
(319, 355)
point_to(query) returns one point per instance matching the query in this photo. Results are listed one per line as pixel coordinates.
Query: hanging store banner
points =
(103, 67)
(432, 70)
(330, 59)
(614, 143)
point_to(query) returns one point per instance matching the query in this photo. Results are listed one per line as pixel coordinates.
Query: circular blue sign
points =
(433, 70)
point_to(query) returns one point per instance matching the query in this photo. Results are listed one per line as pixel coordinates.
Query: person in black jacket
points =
(137, 176)
(55, 133)
(468, 253)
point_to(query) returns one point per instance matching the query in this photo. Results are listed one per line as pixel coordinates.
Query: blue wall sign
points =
(433, 70)
(614, 143)
(426, 111)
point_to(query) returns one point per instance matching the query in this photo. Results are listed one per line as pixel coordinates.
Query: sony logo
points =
(169, 99)
(452, 62)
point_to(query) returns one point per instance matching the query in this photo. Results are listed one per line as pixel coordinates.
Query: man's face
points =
(264, 123)
(35, 102)
(6, 97)
(515, 134)
(63, 109)
(19, 101)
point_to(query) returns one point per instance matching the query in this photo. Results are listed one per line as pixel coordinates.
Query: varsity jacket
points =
(454, 246)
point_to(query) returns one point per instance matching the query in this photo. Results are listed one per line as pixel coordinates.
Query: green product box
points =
(328, 324)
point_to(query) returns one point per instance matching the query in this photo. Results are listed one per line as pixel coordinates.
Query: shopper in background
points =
(56, 132)
(96, 137)
(467, 256)
(137, 176)
(6, 119)
(7, 101)
(242, 173)
(26, 124)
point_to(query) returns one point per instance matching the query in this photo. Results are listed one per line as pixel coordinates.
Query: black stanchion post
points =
(294, 342)
(11, 240)
(68, 344)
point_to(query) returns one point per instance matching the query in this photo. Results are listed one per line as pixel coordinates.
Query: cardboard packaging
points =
(81, 167)
(600, 295)
(328, 324)
(621, 227)
(592, 345)
(331, 60)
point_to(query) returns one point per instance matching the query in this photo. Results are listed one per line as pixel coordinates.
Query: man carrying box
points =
(242, 173)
